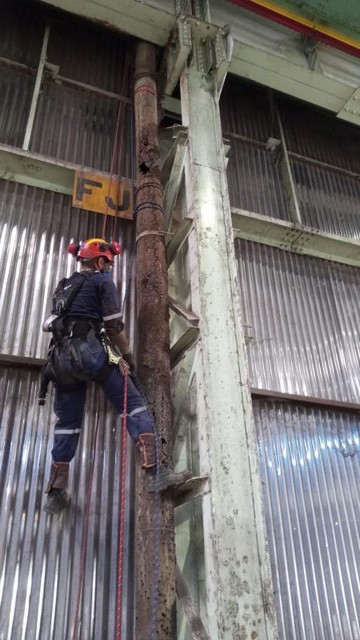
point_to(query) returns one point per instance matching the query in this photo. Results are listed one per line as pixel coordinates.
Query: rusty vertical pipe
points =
(153, 353)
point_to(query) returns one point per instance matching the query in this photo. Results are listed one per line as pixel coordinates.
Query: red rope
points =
(119, 594)
(115, 145)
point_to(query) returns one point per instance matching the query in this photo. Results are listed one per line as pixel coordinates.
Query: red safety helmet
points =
(93, 249)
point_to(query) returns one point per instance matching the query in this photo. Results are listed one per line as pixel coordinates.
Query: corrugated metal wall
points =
(301, 315)
(323, 154)
(301, 321)
(86, 88)
(40, 558)
(254, 177)
(36, 227)
(310, 469)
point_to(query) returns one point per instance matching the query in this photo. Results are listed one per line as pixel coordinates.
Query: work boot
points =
(160, 478)
(164, 478)
(57, 496)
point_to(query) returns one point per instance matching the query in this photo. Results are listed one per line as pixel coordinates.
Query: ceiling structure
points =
(295, 61)
(336, 23)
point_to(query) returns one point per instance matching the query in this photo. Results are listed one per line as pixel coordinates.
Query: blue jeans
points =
(69, 404)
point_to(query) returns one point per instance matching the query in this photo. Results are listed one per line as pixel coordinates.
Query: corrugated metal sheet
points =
(309, 463)
(328, 200)
(22, 32)
(16, 89)
(254, 175)
(255, 181)
(40, 559)
(41, 556)
(88, 53)
(302, 315)
(79, 126)
(245, 110)
(36, 227)
(318, 135)
(71, 123)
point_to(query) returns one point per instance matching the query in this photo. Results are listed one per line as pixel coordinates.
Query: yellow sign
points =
(103, 193)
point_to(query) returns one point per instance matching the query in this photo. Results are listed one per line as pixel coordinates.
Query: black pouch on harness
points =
(64, 366)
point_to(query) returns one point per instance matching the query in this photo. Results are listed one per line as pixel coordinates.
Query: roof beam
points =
(138, 19)
(263, 51)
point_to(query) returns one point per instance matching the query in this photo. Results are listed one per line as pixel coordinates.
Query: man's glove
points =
(129, 358)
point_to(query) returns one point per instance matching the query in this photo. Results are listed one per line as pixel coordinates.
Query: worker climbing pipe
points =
(87, 338)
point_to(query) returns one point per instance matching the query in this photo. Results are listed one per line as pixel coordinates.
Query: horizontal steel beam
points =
(294, 398)
(20, 361)
(293, 237)
(36, 170)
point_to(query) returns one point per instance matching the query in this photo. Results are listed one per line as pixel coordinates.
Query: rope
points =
(115, 145)
(119, 594)
(149, 233)
(149, 183)
(148, 205)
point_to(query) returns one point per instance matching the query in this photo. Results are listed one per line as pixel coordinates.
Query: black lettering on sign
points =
(82, 187)
(120, 207)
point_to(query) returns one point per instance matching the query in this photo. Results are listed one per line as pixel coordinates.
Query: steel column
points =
(238, 577)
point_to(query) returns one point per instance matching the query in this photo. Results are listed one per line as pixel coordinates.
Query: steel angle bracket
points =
(213, 49)
(222, 52)
(172, 173)
(209, 44)
(189, 337)
(185, 342)
(176, 54)
(351, 109)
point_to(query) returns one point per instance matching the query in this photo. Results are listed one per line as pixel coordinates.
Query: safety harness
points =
(64, 362)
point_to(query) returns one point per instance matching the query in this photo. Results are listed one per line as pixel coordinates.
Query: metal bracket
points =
(184, 343)
(197, 628)
(351, 108)
(172, 174)
(177, 53)
(181, 233)
(189, 337)
(213, 51)
(310, 46)
(211, 45)
(179, 308)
